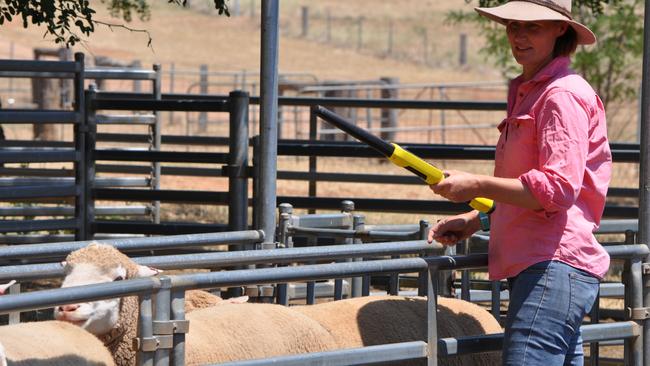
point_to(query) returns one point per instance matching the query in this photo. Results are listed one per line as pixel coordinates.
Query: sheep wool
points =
(119, 340)
(199, 299)
(234, 332)
(52, 343)
(367, 321)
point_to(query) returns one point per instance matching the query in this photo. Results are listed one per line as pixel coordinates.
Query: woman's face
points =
(532, 42)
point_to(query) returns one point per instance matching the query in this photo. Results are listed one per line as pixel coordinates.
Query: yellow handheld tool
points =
(399, 156)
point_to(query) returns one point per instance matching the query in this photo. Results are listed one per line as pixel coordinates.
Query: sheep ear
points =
(237, 300)
(146, 271)
(5, 286)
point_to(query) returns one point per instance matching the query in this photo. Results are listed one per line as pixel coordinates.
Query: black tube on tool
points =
(373, 141)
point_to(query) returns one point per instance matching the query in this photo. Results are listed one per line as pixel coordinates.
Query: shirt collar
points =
(553, 68)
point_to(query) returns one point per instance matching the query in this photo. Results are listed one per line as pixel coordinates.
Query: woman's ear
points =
(563, 26)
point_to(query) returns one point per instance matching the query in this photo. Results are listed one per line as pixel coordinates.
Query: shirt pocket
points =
(516, 151)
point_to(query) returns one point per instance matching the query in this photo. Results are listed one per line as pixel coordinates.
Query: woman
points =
(552, 169)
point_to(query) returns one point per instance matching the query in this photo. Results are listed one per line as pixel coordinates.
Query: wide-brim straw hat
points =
(533, 10)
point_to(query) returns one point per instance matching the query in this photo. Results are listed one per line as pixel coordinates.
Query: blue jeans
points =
(548, 301)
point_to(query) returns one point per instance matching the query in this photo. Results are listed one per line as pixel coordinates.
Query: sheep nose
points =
(68, 308)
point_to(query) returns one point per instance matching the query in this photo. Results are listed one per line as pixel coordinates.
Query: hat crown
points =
(561, 6)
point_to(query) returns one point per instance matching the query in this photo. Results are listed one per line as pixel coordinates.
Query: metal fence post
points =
(238, 162)
(305, 21)
(161, 320)
(313, 163)
(358, 224)
(432, 321)
(423, 275)
(462, 53)
(389, 116)
(347, 207)
(90, 144)
(145, 329)
(178, 314)
(285, 211)
(238, 168)
(84, 186)
(268, 120)
(156, 142)
(203, 90)
(635, 297)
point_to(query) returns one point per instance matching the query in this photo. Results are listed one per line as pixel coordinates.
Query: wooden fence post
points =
(305, 21)
(389, 116)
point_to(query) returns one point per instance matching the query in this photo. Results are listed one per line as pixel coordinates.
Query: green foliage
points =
(612, 66)
(64, 18)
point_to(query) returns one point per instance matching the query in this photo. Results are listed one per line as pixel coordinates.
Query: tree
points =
(612, 66)
(64, 18)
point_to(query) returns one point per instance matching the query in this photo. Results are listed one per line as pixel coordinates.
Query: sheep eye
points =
(119, 278)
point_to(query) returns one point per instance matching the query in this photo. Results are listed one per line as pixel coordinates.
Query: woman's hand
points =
(458, 186)
(452, 229)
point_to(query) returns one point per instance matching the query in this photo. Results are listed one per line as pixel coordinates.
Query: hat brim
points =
(527, 11)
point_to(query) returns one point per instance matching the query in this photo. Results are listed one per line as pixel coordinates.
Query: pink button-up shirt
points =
(554, 140)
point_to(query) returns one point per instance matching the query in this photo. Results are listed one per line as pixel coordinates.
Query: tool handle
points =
(432, 175)
(359, 133)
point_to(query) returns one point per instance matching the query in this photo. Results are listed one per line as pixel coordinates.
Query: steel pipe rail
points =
(38, 191)
(119, 74)
(144, 119)
(617, 226)
(38, 116)
(227, 259)
(38, 156)
(69, 211)
(389, 103)
(159, 105)
(415, 206)
(353, 149)
(207, 197)
(38, 67)
(360, 234)
(37, 172)
(37, 225)
(166, 139)
(53, 297)
(353, 356)
(50, 298)
(99, 182)
(149, 228)
(36, 75)
(166, 170)
(23, 239)
(162, 156)
(60, 250)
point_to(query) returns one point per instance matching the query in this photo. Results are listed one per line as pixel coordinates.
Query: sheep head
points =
(97, 263)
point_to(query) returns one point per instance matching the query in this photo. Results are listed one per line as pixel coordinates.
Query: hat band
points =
(551, 5)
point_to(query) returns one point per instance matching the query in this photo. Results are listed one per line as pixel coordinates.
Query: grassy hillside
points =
(189, 37)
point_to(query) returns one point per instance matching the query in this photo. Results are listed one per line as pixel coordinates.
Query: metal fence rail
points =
(77, 189)
(166, 284)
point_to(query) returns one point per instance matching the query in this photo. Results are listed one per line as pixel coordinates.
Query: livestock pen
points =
(239, 172)
(160, 343)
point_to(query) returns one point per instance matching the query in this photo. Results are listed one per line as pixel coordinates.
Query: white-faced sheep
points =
(243, 331)
(374, 320)
(51, 343)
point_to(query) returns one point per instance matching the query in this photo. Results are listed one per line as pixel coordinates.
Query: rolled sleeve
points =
(563, 142)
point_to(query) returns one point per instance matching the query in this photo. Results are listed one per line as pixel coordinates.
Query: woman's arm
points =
(461, 187)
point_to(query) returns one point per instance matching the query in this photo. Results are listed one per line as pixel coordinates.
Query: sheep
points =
(374, 320)
(244, 331)
(51, 343)
(248, 331)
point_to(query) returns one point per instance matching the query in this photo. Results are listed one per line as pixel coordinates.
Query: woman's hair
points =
(567, 43)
